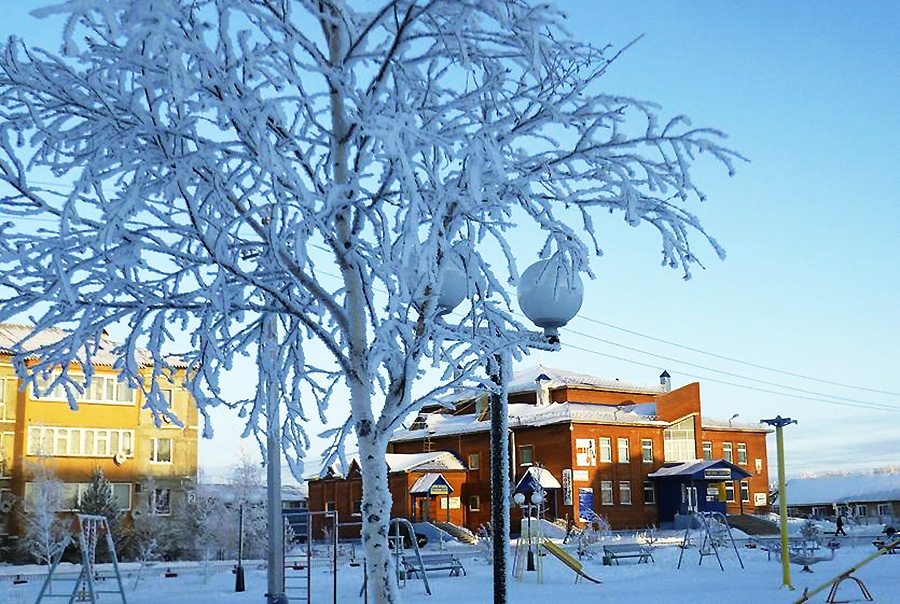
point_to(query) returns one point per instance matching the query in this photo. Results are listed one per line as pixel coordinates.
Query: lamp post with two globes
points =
(550, 295)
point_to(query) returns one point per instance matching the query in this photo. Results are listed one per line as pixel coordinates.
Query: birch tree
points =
(306, 183)
(45, 533)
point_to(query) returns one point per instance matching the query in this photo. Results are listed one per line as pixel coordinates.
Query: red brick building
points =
(607, 448)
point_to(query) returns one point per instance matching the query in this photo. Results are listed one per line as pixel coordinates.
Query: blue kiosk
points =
(692, 486)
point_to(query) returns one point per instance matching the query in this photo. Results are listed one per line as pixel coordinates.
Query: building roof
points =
(419, 462)
(425, 482)
(525, 380)
(696, 469)
(15, 338)
(858, 488)
(536, 476)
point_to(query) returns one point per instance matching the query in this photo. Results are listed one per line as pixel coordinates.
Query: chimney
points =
(665, 380)
(543, 390)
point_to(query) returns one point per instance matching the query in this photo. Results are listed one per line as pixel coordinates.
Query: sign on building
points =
(567, 487)
(585, 504)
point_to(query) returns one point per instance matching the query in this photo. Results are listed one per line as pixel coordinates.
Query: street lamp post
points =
(239, 584)
(780, 422)
(550, 295)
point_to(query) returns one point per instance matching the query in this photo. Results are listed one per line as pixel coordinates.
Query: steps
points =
(459, 533)
(753, 525)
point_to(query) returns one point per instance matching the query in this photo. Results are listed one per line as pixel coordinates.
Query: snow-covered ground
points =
(759, 581)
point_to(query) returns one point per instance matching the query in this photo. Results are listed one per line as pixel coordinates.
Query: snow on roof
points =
(524, 380)
(844, 489)
(12, 335)
(526, 414)
(426, 481)
(435, 461)
(689, 468)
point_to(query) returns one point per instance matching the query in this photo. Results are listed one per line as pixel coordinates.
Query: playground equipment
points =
(835, 582)
(530, 538)
(88, 528)
(417, 566)
(299, 557)
(564, 557)
(710, 523)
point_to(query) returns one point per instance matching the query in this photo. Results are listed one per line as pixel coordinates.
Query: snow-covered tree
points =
(247, 485)
(45, 532)
(301, 181)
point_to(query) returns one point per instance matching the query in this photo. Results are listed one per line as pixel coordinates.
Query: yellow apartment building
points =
(153, 469)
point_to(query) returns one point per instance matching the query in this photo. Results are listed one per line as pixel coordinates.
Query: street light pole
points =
(499, 372)
(274, 522)
(779, 422)
(239, 570)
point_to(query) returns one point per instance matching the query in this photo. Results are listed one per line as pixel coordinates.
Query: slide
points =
(568, 560)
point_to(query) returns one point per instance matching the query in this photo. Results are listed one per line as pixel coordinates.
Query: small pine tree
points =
(98, 500)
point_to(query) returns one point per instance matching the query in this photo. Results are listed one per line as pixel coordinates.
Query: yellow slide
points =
(568, 560)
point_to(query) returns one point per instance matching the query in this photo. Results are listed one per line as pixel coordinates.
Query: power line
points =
(859, 404)
(733, 360)
(735, 375)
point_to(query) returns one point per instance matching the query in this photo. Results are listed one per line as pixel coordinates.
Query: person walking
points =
(840, 526)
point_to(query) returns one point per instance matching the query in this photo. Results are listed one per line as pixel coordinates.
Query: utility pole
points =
(780, 422)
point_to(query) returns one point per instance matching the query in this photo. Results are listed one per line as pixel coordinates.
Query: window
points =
(606, 492)
(474, 461)
(727, 453)
(884, 509)
(678, 441)
(646, 450)
(707, 450)
(605, 449)
(357, 507)
(7, 400)
(161, 451)
(585, 453)
(742, 454)
(101, 389)
(161, 502)
(649, 493)
(58, 441)
(745, 491)
(625, 492)
(474, 503)
(526, 455)
(862, 510)
(729, 491)
(7, 440)
(624, 456)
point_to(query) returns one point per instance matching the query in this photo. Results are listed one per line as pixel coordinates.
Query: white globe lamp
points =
(550, 295)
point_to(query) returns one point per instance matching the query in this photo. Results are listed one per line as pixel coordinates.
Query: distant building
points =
(151, 468)
(868, 498)
(635, 455)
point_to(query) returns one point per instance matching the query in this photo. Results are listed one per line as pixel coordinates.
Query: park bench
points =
(626, 550)
(433, 562)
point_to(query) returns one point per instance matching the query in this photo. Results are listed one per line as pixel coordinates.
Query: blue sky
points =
(811, 283)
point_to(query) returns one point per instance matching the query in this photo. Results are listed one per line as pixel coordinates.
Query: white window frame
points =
(729, 491)
(707, 450)
(45, 440)
(155, 450)
(108, 386)
(625, 492)
(742, 454)
(605, 449)
(728, 452)
(885, 509)
(647, 446)
(474, 503)
(649, 493)
(606, 492)
(745, 491)
(623, 444)
(861, 510)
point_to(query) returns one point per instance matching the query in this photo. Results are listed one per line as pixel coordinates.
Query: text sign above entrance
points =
(717, 473)
(439, 489)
